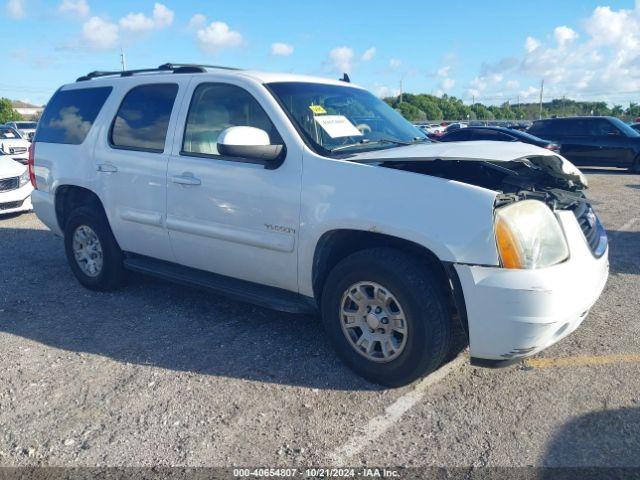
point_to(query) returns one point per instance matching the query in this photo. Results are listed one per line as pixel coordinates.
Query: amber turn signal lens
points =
(507, 246)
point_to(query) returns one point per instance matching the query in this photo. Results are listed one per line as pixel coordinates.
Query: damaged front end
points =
(546, 178)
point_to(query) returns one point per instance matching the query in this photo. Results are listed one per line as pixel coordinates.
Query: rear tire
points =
(92, 251)
(635, 167)
(385, 273)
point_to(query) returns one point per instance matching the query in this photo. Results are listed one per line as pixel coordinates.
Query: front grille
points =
(7, 184)
(591, 227)
(10, 205)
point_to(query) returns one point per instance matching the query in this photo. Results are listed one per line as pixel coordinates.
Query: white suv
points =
(306, 194)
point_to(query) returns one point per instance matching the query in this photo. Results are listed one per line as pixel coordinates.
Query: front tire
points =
(386, 317)
(92, 251)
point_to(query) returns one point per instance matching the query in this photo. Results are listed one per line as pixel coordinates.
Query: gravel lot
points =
(162, 374)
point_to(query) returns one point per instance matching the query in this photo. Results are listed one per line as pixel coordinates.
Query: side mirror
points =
(247, 142)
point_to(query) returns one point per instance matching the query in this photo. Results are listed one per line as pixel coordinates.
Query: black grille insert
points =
(591, 227)
(7, 184)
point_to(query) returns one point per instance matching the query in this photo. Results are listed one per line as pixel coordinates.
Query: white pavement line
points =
(624, 228)
(380, 424)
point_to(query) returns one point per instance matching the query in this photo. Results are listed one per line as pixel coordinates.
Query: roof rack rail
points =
(165, 67)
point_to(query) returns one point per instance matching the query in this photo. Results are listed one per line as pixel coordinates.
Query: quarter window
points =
(216, 107)
(70, 114)
(143, 118)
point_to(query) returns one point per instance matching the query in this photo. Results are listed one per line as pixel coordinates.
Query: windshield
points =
(8, 133)
(342, 119)
(624, 128)
(26, 125)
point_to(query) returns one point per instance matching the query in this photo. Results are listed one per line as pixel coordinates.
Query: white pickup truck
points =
(305, 194)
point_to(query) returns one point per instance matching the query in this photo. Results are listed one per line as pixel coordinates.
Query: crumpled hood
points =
(10, 168)
(478, 151)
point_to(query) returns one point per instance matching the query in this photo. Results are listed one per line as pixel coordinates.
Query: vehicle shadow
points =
(152, 322)
(624, 251)
(604, 440)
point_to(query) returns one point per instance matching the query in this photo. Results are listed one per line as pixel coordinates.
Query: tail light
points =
(31, 165)
(553, 147)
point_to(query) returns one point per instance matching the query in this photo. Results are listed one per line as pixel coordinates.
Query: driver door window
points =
(216, 107)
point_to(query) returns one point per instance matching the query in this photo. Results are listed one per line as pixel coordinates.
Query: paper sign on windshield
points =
(337, 126)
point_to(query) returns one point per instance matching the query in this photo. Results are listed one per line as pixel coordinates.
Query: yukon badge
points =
(280, 228)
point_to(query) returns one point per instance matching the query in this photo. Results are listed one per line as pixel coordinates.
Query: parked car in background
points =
(498, 134)
(244, 182)
(455, 126)
(433, 130)
(13, 145)
(592, 141)
(25, 129)
(15, 187)
(635, 126)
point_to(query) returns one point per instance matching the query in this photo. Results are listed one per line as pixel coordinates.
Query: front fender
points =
(453, 220)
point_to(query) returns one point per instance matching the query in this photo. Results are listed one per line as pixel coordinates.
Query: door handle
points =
(185, 179)
(107, 168)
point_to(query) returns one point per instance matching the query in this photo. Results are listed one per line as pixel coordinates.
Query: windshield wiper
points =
(366, 141)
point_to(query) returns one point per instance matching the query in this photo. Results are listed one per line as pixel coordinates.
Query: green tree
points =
(410, 112)
(7, 112)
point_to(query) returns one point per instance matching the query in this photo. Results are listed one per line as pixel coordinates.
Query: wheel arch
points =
(335, 245)
(69, 197)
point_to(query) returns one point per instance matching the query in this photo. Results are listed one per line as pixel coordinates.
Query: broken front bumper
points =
(517, 313)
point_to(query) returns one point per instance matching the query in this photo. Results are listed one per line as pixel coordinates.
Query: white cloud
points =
(530, 92)
(531, 44)
(79, 8)
(444, 71)
(564, 35)
(218, 36)
(197, 21)
(341, 59)
(99, 34)
(447, 84)
(16, 9)
(161, 17)
(369, 54)
(136, 22)
(281, 49)
(383, 91)
(512, 84)
(395, 63)
(601, 62)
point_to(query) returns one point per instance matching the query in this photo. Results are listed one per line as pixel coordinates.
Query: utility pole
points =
(541, 92)
(473, 100)
(123, 61)
(400, 90)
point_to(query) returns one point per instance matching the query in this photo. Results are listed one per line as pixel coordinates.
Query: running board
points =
(254, 293)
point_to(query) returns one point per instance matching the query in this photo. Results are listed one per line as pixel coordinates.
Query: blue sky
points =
(492, 51)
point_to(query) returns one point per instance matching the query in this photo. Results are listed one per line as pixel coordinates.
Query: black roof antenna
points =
(345, 78)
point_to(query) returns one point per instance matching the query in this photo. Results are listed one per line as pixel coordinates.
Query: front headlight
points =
(529, 236)
(24, 178)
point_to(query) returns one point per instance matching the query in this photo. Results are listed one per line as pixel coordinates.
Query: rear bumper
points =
(17, 200)
(44, 206)
(517, 313)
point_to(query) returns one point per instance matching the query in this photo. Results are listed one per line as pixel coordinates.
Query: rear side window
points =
(539, 129)
(143, 118)
(70, 115)
(460, 135)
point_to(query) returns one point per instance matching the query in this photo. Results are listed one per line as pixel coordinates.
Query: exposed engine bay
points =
(525, 178)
